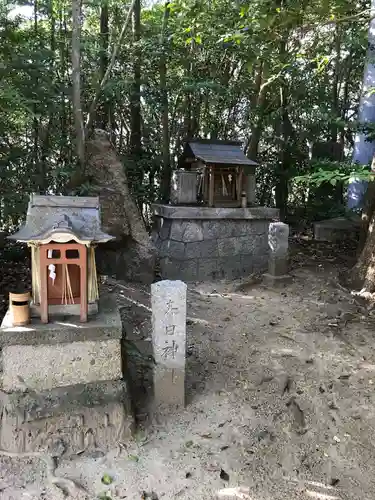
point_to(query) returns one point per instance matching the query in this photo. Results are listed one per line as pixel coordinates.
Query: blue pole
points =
(364, 150)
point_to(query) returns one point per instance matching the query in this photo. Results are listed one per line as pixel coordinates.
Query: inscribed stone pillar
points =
(168, 301)
(278, 235)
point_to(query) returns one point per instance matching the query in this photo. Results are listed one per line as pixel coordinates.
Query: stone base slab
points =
(169, 388)
(270, 280)
(64, 309)
(61, 329)
(68, 420)
(199, 212)
(42, 367)
(337, 229)
(278, 265)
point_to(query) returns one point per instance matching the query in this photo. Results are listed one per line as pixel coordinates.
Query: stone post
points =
(250, 189)
(168, 301)
(278, 234)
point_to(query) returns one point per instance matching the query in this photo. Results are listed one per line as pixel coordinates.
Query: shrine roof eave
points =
(64, 235)
(248, 167)
(218, 153)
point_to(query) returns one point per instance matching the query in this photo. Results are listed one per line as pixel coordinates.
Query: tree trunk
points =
(362, 276)
(336, 84)
(107, 171)
(103, 111)
(366, 215)
(62, 82)
(166, 171)
(281, 191)
(45, 149)
(76, 81)
(285, 132)
(258, 105)
(131, 255)
(135, 98)
(94, 102)
(187, 109)
(38, 166)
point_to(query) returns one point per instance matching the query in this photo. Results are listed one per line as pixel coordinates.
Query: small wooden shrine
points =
(225, 175)
(62, 232)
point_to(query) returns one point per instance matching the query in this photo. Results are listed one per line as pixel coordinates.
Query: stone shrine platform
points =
(62, 383)
(197, 243)
(337, 229)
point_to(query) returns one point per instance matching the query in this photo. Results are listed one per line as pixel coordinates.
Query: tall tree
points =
(166, 171)
(104, 110)
(76, 81)
(223, 74)
(135, 98)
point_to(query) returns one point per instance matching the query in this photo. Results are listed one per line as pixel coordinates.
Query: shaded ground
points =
(281, 403)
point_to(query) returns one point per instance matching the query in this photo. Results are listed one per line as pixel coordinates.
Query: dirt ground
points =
(280, 401)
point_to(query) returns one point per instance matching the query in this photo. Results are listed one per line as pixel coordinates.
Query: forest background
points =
(284, 77)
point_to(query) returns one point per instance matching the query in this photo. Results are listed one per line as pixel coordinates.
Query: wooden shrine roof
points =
(70, 215)
(217, 152)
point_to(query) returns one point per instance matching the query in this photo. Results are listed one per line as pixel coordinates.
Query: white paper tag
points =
(52, 273)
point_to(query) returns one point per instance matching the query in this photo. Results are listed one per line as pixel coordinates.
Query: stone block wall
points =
(337, 229)
(211, 249)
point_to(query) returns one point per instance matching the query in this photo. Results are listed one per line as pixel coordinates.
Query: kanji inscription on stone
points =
(168, 301)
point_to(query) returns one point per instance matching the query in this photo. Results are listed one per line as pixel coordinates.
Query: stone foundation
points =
(201, 243)
(66, 421)
(338, 229)
(62, 384)
(47, 366)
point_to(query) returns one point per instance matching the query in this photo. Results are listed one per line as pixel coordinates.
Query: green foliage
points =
(220, 56)
(334, 173)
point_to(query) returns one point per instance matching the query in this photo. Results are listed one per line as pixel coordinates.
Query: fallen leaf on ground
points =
(107, 479)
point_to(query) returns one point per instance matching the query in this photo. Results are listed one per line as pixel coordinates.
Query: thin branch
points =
(94, 102)
(350, 18)
(270, 80)
(344, 19)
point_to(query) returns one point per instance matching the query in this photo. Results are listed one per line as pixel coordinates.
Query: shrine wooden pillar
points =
(61, 250)
(83, 279)
(211, 186)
